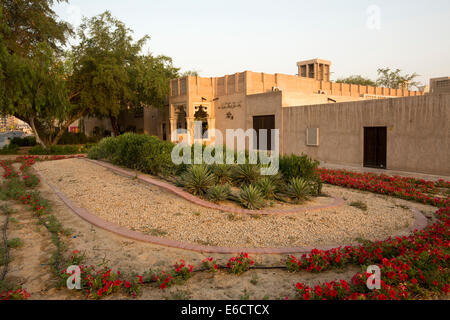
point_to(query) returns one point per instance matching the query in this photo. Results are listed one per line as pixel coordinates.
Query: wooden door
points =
(264, 122)
(375, 145)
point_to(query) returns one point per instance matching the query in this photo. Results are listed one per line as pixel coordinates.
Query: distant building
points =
(10, 123)
(440, 85)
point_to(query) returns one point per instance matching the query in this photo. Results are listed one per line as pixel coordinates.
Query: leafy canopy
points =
(357, 79)
(103, 75)
(109, 72)
(394, 79)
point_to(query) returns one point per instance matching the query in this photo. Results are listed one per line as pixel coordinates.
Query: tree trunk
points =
(36, 134)
(114, 126)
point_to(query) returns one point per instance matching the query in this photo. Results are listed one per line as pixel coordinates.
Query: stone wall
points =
(418, 131)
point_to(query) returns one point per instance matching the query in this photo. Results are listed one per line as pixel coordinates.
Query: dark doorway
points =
(264, 122)
(202, 115)
(164, 133)
(375, 142)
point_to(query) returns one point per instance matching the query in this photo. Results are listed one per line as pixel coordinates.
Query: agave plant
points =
(251, 198)
(222, 172)
(246, 174)
(268, 187)
(197, 179)
(298, 189)
(219, 193)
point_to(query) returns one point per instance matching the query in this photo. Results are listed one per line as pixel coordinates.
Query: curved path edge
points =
(206, 204)
(420, 223)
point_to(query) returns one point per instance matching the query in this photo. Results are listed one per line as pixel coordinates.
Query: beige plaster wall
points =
(418, 135)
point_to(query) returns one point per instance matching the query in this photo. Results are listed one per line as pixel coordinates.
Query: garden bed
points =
(154, 211)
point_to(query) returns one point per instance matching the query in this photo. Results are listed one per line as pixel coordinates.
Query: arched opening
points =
(201, 115)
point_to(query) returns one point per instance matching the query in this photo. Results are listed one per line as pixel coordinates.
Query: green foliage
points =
(9, 149)
(359, 204)
(30, 22)
(219, 193)
(139, 152)
(128, 150)
(15, 243)
(245, 174)
(109, 73)
(357, 79)
(104, 74)
(35, 90)
(31, 181)
(105, 149)
(29, 141)
(294, 166)
(197, 180)
(268, 187)
(12, 188)
(157, 157)
(298, 189)
(56, 150)
(393, 79)
(222, 172)
(251, 197)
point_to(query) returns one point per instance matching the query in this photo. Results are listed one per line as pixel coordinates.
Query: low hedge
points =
(9, 149)
(38, 150)
(140, 152)
(29, 141)
(149, 154)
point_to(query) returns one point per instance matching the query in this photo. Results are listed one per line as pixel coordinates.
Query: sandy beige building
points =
(332, 122)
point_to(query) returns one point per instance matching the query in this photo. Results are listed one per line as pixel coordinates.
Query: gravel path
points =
(154, 211)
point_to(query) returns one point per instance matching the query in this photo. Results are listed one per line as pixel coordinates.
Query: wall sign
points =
(230, 105)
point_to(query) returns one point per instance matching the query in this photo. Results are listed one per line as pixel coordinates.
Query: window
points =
(312, 137)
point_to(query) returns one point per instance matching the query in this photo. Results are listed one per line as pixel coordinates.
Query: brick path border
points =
(198, 201)
(419, 224)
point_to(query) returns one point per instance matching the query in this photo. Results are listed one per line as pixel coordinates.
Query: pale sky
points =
(227, 36)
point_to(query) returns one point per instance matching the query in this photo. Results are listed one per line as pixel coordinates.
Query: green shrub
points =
(268, 187)
(55, 150)
(9, 149)
(219, 193)
(31, 181)
(317, 185)
(294, 166)
(128, 152)
(222, 172)
(197, 180)
(298, 189)
(13, 187)
(135, 151)
(29, 141)
(246, 174)
(251, 197)
(156, 157)
(105, 149)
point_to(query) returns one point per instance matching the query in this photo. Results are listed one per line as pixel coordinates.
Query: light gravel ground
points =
(154, 211)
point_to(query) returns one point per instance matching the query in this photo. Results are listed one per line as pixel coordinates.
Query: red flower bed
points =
(18, 294)
(400, 187)
(410, 266)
